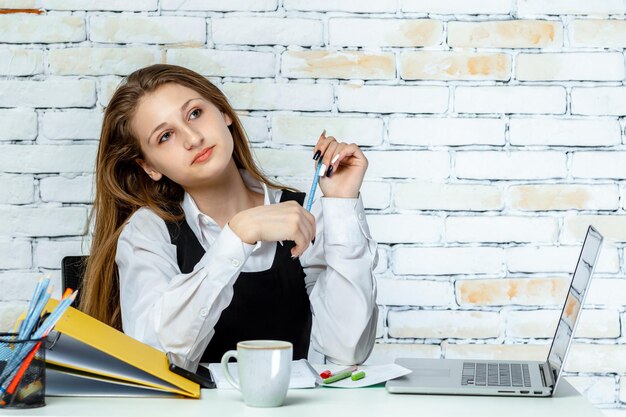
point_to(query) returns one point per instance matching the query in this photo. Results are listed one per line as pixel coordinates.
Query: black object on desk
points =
(72, 272)
(202, 375)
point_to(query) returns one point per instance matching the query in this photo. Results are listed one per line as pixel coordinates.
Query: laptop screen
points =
(575, 299)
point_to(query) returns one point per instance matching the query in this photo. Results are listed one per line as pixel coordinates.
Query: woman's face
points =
(182, 136)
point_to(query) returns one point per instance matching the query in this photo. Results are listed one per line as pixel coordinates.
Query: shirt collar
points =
(204, 227)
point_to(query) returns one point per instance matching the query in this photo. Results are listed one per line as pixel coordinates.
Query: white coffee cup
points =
(264, 370)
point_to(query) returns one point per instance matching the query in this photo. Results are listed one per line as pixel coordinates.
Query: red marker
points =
(326, 374)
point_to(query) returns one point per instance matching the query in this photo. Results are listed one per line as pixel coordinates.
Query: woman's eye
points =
(195, 114)
(164, 137)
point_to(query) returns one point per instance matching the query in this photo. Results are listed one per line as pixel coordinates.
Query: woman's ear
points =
(227, 119)
(152, 173)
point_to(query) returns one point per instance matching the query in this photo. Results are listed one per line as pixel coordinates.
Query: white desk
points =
(321, 402)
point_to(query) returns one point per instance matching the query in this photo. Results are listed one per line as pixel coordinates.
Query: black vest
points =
(271, 304)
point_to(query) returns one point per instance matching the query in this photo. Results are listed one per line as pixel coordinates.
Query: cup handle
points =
(229, 377)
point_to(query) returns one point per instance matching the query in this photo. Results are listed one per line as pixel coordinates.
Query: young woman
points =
(194, 249)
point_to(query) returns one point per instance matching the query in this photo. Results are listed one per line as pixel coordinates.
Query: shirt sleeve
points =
(340, 281)
(161, 306)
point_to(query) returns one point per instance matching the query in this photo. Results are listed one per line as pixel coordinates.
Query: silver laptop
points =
(517, 378)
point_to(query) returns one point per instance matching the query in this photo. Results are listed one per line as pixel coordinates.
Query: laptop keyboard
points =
(495, 374)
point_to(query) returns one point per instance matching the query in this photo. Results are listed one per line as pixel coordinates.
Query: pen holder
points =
(22, 372)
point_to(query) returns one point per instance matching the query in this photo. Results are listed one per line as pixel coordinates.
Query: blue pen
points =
(31, 306)
(316, 179)
(31, 321)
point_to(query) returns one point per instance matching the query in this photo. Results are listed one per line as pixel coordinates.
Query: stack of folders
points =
(28, 340)
(85, 357)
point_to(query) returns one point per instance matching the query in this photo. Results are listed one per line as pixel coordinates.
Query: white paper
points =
(374, 374)
(302, 375)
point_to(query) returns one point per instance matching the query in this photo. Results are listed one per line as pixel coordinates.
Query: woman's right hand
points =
(276, 222)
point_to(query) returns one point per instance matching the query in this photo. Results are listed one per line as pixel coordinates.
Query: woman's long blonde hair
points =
(122, 186)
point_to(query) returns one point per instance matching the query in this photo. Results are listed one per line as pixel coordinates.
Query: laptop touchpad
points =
(431, 372)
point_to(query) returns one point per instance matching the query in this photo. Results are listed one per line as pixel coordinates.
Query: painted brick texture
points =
(494, 131)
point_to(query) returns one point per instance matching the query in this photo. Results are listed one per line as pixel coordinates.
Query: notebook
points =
(302, 375)
(525, 378)
(85, 357)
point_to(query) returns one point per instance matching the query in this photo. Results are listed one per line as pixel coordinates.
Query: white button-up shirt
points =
(177, 312)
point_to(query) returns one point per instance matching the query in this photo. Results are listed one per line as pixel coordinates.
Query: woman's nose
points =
(193, 138)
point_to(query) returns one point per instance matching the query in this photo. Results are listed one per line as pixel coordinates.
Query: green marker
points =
(358, 375)
(338, 377)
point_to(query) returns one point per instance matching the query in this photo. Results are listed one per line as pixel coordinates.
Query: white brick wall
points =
(564, 132)
(501, 229)
(113, 5)
(71, 124)
(395, 292)
(598, 101)
(271, 96)
(53, 92)
(516, 99)
(511, 165)
(447, 260)
(392, 99)
(47, 158)
(557, 7)
(100, 61)
(563, 197)
(456, 6)
(67, 190)
(598, 324)
(494, 131)
(41, 29)
(16, 189)
(597, 32)
(21, 61)
(440, 324)
(384, 32)
(349, 64)
(419, 195)
(551, 259)
(428, 131)
(143, 29)
(570, 66)
(43, 221)
(266, 31)
(224, 63)
(217, 5)
(18, 124)
(599, 165)
(15, 254)
(405, 228)
(408, 164)
(355, 6)
(49, 253)
(296, 129)
(505, 34)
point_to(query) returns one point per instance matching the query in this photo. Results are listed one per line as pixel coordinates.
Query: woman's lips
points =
(203, 155)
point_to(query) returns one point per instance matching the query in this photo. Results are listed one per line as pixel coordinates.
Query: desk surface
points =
(322, 402)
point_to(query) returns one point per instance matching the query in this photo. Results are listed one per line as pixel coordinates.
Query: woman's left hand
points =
(345, 167)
